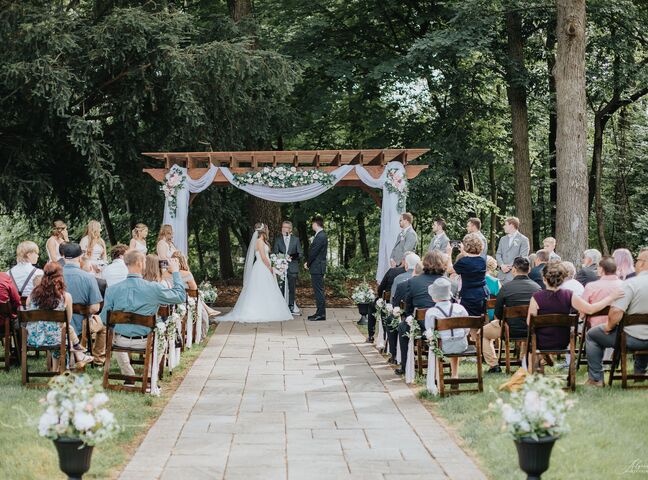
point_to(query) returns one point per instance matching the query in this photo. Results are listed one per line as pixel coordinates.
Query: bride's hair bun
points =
(259, 227)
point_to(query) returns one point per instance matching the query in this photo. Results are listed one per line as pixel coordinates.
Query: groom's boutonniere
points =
(402, 236)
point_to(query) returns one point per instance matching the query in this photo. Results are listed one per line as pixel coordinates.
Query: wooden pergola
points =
(374, 160)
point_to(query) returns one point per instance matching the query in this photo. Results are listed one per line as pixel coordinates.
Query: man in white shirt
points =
(117, 270)
(24, 272)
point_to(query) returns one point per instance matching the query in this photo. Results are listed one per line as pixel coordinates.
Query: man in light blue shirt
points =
(80, 284)
(139, 296)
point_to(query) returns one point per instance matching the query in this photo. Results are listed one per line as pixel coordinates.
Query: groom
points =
(289, 245)
(316, 264)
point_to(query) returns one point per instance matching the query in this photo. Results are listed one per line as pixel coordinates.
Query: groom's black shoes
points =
(316, 318)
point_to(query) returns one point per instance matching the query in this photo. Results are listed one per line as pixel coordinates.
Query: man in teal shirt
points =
(139, 296)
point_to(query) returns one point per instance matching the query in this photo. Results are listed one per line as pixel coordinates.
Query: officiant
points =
(290, 245)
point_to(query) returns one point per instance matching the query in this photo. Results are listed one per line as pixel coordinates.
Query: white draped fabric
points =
(389, 225)
(409, 366)
(380, 342)
(432, 374)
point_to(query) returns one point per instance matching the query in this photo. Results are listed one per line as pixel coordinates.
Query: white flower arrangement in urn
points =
(363, 296)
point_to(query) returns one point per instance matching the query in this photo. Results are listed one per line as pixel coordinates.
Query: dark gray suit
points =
(294, 250)
(587, 274)
(317, 268)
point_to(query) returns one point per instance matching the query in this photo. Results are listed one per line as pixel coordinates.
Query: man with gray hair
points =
(589, 272)
(541, 259)
(411, 260)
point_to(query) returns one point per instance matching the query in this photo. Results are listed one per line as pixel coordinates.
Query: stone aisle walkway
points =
(296, 400)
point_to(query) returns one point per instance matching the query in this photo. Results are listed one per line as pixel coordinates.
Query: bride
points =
(260, 300)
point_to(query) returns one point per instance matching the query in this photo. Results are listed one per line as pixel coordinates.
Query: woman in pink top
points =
(598, 290)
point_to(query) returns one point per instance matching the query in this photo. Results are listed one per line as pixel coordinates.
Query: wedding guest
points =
(570, 282)
(624, 263)
(81, 285)
(634, 300)
(515, 293)
(474, 226)
(9, 294)
(51, 294)
(440, 240)
(93, 246)
(541, 259)
(411, 261)
(607, 283)
(588, 272)
(116, 271)
(399, 293)
(87, 266)
(185, 273)
(472, 269)
(549, 244)
(165, 245)
(435, 264)
(136, 295)
(455, 340)
(138, 241)
(385, 285)
(24, 272)
(510, 246)
(553, 300)
(492, 282)
(152, 270)
(58, 235)
(406, 242)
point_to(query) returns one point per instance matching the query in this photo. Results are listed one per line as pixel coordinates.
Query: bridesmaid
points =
(58, 235)
(93, 246)
(138, 242)
(165, 245)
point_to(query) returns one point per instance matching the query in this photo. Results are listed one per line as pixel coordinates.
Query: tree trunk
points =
(239, 9)
(551, 139)
(362, 235)
(493, 218)
(269, 213)
(517, 97)
(105, 216)
(302, 228)
(597, 166)
(571, 134)
(225, 253)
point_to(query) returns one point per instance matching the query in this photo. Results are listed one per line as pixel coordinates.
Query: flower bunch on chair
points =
(397, 183)
(174, 181)
(415, 328)
(279, 263)
(363, 293)
(284, 177)
(393, 316)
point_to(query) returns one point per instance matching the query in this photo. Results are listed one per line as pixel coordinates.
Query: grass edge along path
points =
(26, 455)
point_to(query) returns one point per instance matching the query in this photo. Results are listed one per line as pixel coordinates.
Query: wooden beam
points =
(378, 159)
(357, 160)
(337, 159)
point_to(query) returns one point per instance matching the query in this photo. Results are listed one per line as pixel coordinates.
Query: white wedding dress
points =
(260, 300)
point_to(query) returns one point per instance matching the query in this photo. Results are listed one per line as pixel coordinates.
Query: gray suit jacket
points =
(294, 250)
(484, 252)
(439, 243)
(508, 249)
(404, 243)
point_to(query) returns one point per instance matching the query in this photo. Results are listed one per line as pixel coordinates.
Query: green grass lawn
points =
(25, 455)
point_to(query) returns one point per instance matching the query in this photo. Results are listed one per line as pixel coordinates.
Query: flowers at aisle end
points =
(284, 177)
(75, 408)
(279, 263)
(208, 292)
(397, 183)
(363, 293)
(174, 181)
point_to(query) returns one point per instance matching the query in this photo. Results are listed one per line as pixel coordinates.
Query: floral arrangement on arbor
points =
(75, 409)
(284, 177)
(363, 293)
(174, 181)
(279, 263)
(397, 183)
(208, 292)
(537, 410)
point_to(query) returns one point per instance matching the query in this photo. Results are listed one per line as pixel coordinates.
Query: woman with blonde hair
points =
(58, 235)
(93, 246)
(165, 245)
(185, 273)
(138, 241)
(152, 271)
(24, 272)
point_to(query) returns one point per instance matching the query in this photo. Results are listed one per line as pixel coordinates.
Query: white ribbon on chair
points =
(432, 374)
(380, 343)
(409, 366)
(398, 352)
(155, 366)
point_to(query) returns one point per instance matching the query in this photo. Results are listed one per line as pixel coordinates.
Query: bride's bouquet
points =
(279, 262)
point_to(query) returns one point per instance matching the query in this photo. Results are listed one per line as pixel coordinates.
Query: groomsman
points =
(440, 240)
(406, 242)
(513, 245)
(288, 244)
(316, 264)
(474, 226)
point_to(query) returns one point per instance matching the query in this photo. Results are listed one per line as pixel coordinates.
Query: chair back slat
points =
(553, 320)
(193, 293)
(28, 316)
(128, 318)
(6, 309)
(386, 296)
(419, 313)
(23, 301)
(402, 305)
(635, 319)
(521, 311)
(81, 309)
(458, 322)
(164, 311)
(490, 303)
(605, 311)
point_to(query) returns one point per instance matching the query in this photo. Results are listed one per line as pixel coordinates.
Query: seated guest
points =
(492, 282)
(634, 300)
(549, 244)
(93, 246)
(138, 242)
(24, 272)
(570, 282)
(608, 283)
(624, 263)
(136, 295)
(116, 271)
(58, 235)
(411, 261)
(152, 271)
(385, 285)
(472, 269)
(185, 273)
(587, 274)
(9, 294)
(515, 293)
(452, 341)
(87, 266)
(50, 294)
(165, 245)
(541, 259)
(435, 264)
(399, 294)
(554, 300)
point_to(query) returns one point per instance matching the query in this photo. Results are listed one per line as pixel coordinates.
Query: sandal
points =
(80, 363)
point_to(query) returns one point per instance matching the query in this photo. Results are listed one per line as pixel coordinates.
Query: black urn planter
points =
(363, 310)
(74, 457)
(533, 455)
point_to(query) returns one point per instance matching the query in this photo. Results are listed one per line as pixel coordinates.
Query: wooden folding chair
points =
(420, 345)
(30, 316)
(475, 324)
(554, 320)
(621, 352)
(127, 318)
(10, 352)
(506, 341)
(581, 336)
(386, 295)
(86, 335)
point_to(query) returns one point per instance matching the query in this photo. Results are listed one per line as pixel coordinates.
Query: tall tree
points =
(571, 134)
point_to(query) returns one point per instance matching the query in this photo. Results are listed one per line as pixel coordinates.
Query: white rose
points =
(45, 423)
(83, 421)
(105, 417)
